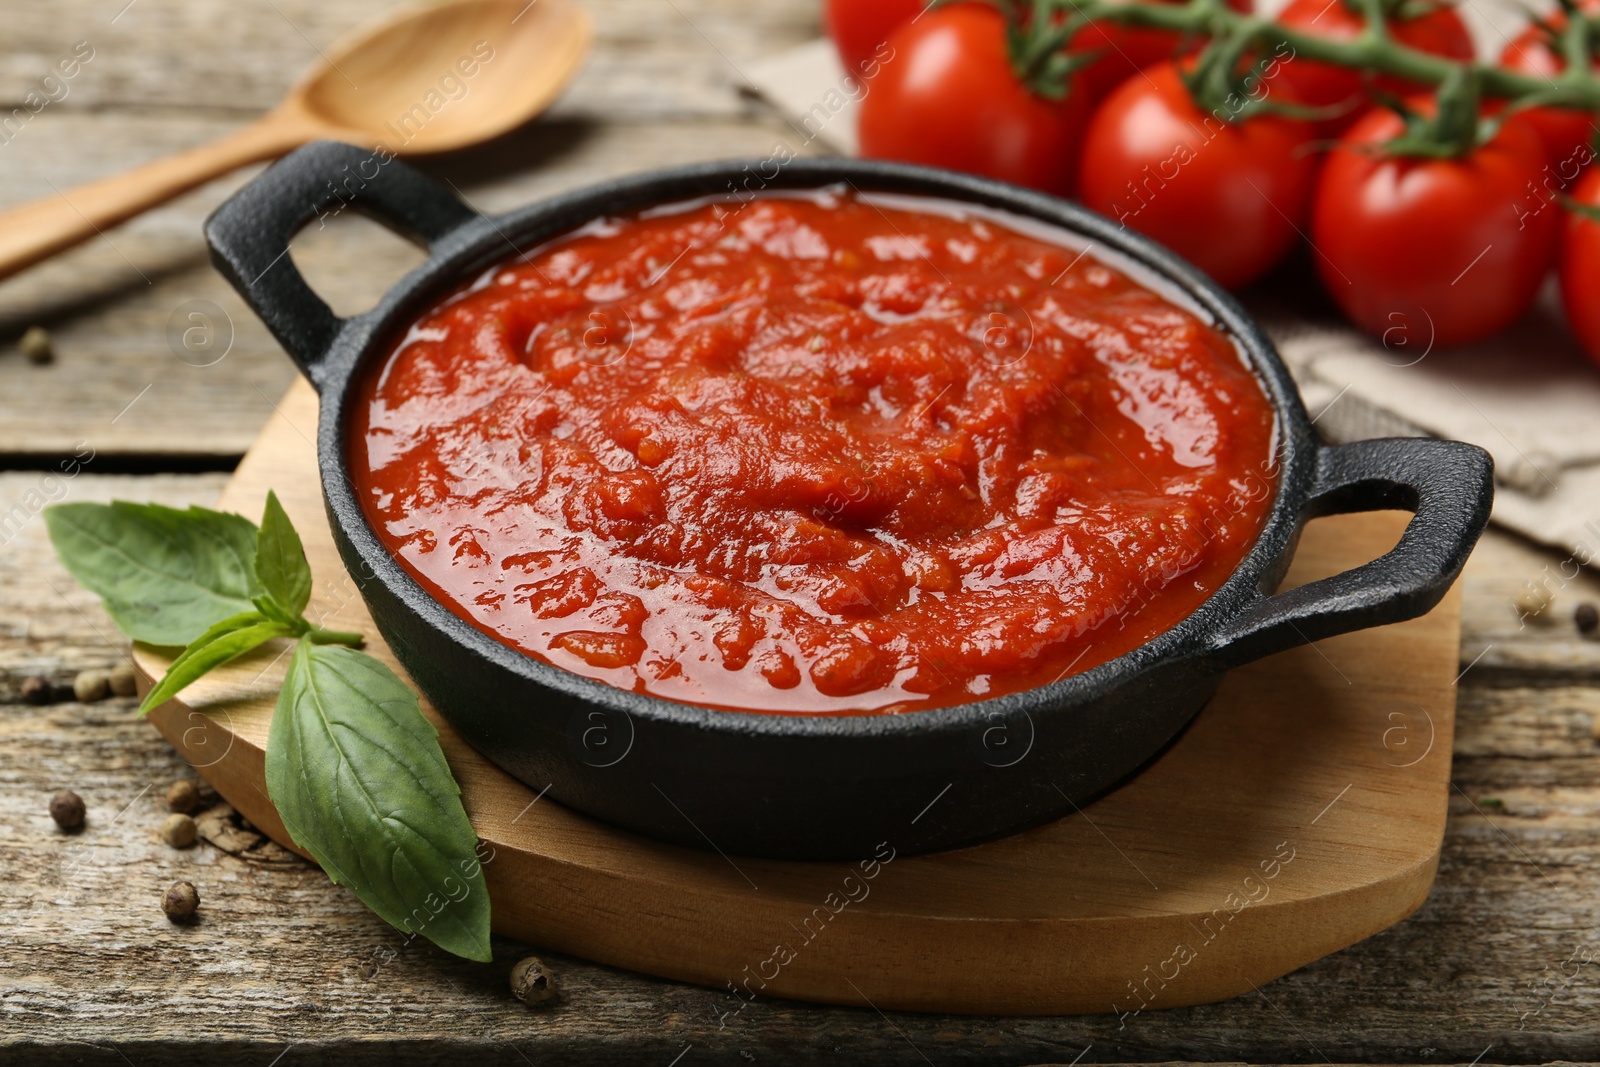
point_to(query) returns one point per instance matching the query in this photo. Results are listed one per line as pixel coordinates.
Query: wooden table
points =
(1500, 966)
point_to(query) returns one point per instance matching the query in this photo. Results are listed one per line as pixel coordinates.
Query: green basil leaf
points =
(165, 575)
(357, 774)
(281, 560)
(226, 641)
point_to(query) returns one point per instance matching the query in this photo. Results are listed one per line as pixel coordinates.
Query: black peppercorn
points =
(181, 901)
(66, 808)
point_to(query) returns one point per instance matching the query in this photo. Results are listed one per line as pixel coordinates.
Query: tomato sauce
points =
(815, 454)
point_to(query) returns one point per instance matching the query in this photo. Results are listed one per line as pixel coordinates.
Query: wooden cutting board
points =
(1302, 812)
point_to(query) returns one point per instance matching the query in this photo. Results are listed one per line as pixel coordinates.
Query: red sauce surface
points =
(815, 455)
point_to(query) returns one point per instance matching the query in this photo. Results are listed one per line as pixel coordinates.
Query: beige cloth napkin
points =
(1528, 396)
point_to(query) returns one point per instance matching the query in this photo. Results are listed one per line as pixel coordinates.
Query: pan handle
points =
(249, 235)
(1448, 485)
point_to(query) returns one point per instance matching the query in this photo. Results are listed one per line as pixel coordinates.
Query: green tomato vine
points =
(1041, 30)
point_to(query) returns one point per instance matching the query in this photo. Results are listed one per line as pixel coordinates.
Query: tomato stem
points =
(1588, 212)
(318, 636)
(1037, 48)
(1375, 51)
(1376, 33)
(1574, 41)
(1452, 130)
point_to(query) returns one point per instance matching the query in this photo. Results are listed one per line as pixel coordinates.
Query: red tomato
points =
(858, 27)
(1567, 133)
(1229, 198)
(1440, 31)
(947, 97)
(1580, 267)
(1126, 50)
(1442, 251)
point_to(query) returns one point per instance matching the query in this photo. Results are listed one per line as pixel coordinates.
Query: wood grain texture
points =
(660, 59)
(1302, 812)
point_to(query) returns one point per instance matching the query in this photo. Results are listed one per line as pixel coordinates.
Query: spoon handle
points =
(39, 230)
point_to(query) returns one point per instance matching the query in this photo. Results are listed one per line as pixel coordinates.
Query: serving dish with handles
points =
(802, 787)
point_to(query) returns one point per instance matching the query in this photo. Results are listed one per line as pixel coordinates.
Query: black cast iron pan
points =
(799, 787)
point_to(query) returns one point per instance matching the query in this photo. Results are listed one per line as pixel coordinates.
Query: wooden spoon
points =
(428, 79)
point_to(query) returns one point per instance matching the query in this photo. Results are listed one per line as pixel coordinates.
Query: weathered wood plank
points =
(92, 972)
(651, 58)
(1501, 642)
(109, 304)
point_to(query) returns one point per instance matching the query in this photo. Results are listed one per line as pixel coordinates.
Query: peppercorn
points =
(1594, 729)
(179, 831)
(531, 983)
(1587, 616)
(35, 344)
(66, 808)
(124, 682)
(183, 796)
(181, 901)
(90, 686)
(36, 690)
(1531, 602)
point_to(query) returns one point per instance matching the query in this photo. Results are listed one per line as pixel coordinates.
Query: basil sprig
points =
(353, 767)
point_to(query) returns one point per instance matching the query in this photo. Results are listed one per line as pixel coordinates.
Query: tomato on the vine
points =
(949, 97)
(1438, 30)
(1229, 197)
(1568, 133)
(859, 27)
(1580, 264)
(1430, 250)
